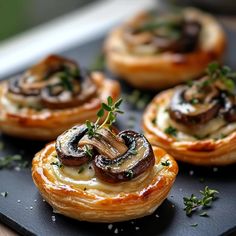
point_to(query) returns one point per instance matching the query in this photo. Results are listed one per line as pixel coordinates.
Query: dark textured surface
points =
(33, 216)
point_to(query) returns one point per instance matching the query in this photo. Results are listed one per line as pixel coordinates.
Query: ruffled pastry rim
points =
(85, 206)
(48, 124)
(166, 69)
(207, 152)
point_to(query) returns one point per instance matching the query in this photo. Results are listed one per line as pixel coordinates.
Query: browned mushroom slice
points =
(137, 159)
(187, 113)
(37, 77)
(57, 97)
(14, 87)
(168, 34)
(229, 110)
(183, 38)
(50, 65)
(68, 151)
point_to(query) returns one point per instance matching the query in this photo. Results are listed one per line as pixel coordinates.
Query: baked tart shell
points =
(164, 70)
(48, 124)
(207, 152)
(111, 203)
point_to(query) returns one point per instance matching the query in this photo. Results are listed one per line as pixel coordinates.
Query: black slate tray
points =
(25, 211)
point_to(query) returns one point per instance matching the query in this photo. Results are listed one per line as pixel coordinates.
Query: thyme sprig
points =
(193, 203)
(171, 131)
(165, 163)
(112, 108)
(223, 73)
(56, 163)
(9, 161)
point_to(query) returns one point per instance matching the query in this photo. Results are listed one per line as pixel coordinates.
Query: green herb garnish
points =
(201, 180)
(99, 63)
(66, 81)
(165, 163)
(138, 99)
(203, 214)
(81, 169)
(193, 203)
(194, 101)
(194, 225)
(129, 174)
(1, 145)
(89, 151)
(189, 83)
(199, 137)
(172, 26)
(8, 161)
(221, 136)
(143, 101)
(171, 131)
(112, 108)
(133, 151)
(56, 163)
(222, 73)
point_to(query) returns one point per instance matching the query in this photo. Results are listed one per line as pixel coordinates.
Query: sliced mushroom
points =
(56, 83)
(229, 110)
(117, 158)
(170, 34)
(57, 97)
(14, 87)
(187, 113)
(106, 143)
(138, 158)
(47, 67)
(37, 77)
(68, 151)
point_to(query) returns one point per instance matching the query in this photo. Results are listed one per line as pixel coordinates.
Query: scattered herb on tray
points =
(203, 214)
(1, 145)
(10, 161)
(194, 225)
(138, 99)
(98, 63)
(193, 203)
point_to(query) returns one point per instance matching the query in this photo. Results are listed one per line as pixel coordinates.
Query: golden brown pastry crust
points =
(206, 152)
(111, 203)
(166, 69)
(48, 124)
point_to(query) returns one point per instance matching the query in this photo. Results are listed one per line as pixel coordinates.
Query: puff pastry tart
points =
(51, 97)
(196, 123)
(92, 173)
(158, 50)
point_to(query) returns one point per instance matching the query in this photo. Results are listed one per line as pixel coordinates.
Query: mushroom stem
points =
(106, 143)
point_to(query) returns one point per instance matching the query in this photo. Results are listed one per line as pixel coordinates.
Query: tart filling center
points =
(54, 83)
(204, 107)
(163, 33)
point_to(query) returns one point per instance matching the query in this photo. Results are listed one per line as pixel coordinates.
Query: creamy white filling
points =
(16, 108)
(216, 128)
(87, 180)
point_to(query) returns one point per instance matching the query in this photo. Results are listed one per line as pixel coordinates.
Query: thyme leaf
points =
(192, 203)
